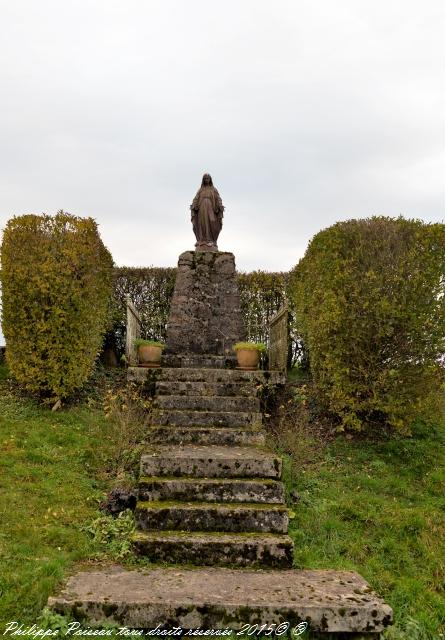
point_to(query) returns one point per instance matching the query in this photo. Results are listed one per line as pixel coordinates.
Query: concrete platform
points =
(213, 598)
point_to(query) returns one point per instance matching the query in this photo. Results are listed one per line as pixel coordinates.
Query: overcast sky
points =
(304, 112)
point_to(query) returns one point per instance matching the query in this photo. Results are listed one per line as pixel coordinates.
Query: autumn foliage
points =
(370, 304)
(56, 283)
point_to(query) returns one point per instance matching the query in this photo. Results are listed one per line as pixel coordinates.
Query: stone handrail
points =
(279, 340)
(133, 332)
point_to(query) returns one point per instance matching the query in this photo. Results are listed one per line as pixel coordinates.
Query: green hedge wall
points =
(150, 289)
(370, 305)
(56, 286)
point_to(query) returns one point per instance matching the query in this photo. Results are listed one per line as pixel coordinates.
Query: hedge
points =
(370, 306)
(56, 281)
(151, 290)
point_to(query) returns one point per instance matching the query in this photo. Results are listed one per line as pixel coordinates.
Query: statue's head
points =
(206, 180)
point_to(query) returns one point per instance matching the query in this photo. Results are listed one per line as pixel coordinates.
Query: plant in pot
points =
(149, 352)
(248, 354)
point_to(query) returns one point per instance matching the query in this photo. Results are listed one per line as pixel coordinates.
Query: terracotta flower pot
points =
(248, 359)
(149, 355)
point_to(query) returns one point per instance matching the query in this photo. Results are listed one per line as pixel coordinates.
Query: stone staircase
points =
(209, 491)
(210, 495)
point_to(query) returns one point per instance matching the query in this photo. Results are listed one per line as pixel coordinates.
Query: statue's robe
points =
(207, 214)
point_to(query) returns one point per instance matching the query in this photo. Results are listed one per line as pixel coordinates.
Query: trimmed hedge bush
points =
(370, 306)
(56, 281)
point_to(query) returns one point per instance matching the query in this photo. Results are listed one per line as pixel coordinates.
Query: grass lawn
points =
(377, 507)
(55, 469)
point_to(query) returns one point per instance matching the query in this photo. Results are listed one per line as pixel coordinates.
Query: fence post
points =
(279, 340)
(133, 332)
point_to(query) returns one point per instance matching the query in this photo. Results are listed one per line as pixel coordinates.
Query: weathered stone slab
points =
(211, 516)
(205, 312)
(211, 490)
(210, 462)
(173, 374)
(222, 375)
(207, 389)
(216, 598)
(208, 403)
(189, 418)
(240, 549)
(198, 361)
(206, 436)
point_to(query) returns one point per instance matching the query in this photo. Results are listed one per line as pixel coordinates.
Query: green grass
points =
(376, 507)
(50, 485)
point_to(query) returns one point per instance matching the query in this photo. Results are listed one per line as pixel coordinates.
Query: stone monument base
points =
(205, 313)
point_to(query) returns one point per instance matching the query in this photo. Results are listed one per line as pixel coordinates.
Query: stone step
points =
(208, 403)
(220, 375)
(177, 374)
(210, 462)
(201, 361)
(199, 388)
(211, 490)
(205, 436)
(211, 516)
(241, 549)
(218, 598)
(188, 418)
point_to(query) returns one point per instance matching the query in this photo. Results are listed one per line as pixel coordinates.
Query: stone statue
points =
(207, 214)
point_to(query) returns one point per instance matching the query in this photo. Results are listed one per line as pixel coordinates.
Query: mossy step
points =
(190, 374)
(197, 360)
(210, 462)
(188, 417)
(215, 548)
(208, 389)
(219, 598)
(206, 436)
(212, 489)
(219, 375)
(208, 403)
(211, 516)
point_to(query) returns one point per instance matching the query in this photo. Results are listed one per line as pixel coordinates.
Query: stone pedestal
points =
(205, 313)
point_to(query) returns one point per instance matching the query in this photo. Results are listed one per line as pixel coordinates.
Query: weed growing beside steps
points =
(113, 534)
(127, 412)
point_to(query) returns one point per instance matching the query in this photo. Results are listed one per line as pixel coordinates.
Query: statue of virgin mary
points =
(207, 213)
